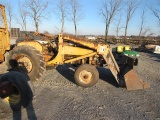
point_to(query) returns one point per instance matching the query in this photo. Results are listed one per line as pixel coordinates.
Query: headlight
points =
(137, 55)
(126, 54)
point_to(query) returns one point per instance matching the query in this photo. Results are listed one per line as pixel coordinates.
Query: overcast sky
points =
(92, 22)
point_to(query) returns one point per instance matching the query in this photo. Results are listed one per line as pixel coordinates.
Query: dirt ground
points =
(57, 97)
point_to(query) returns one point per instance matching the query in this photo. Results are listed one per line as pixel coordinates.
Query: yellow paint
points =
(102, 49)
(34, 44)
(127, 48)
(81, 57)
(120, 49)
(6, 100)
(69, 50)
(4, 34)
(12, 99)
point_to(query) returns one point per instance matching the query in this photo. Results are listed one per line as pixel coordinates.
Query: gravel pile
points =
(57, 97)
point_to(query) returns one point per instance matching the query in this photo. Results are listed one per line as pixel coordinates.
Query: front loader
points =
(64, 49)
(90, 55)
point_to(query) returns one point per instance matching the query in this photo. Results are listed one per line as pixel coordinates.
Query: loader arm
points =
(112, 65)
(81, 42)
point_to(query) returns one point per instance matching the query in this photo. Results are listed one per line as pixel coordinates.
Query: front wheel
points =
(86, 75)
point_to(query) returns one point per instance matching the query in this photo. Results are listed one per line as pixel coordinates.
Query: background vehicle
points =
(121, 50)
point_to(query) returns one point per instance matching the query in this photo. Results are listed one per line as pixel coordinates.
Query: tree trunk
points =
(125, 35)
(62, 27)
(75, 27)
(117, 31)
(25, 27)
(106, 32)
(37, 27)
(10, 26)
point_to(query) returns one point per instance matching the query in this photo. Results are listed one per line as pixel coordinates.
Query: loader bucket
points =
(131, 79)
(134, 82)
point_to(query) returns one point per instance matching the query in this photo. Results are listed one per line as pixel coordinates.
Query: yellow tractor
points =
(35, 55)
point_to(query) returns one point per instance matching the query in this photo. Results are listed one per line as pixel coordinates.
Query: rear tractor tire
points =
(29, 60)
(86, 75)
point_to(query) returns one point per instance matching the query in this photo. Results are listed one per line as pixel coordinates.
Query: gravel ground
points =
(57, 97)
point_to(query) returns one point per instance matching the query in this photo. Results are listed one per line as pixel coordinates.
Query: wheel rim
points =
(24, 63)
(85, 76)
(14, 98)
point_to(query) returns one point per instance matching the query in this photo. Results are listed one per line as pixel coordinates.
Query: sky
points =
(92, 23)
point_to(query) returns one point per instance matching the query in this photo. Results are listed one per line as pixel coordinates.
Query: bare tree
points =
(118, 25)
(156, 11)
(61, 12)
(37, 11)
(108, 11)
(76, 13)
(22, 17)
(142, 23)
(146, 30)
(150, 34)
(131, 6)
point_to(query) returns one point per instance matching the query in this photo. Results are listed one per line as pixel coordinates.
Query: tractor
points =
(33, 56)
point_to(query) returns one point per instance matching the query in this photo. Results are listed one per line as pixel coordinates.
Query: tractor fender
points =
(34, 44)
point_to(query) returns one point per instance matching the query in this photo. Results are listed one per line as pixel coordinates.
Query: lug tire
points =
(35, 58)
(86, 75)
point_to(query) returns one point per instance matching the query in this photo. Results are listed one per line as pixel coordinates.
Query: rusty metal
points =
(85, 76)
(113, 66)
(24, 61)
(129, 77)
(134, 82)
